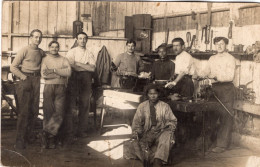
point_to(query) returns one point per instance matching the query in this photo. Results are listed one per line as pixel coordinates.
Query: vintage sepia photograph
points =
(130, 83)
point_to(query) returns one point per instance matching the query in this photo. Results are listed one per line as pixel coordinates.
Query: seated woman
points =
(55, 70)
(152, 130)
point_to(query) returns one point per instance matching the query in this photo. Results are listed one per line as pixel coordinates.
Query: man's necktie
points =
(153, 113)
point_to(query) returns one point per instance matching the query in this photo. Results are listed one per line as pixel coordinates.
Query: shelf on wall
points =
(204, 55)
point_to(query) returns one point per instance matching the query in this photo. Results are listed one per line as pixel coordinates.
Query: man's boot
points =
(51, 143)
(157, 162)
(44, 140)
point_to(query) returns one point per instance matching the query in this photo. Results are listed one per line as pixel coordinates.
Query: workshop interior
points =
(115, 77)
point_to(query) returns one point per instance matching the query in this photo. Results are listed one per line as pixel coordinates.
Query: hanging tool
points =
(198, 28)
(193, 15)
(166, 30)
(203, 32)
(197, 35)
(230, 29)
(211, 40)
(188, 38)
(192, 42)
(207, 36)
(167, 36)
(207, 33)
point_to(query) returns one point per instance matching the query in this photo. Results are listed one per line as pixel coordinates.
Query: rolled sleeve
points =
(43, 67)
(66, 70)
(184, 63)
(71, 57)
(118, 60)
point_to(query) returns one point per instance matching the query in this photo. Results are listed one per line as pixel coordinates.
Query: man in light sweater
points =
(28, 89)
(127, 64)
(83, 65)
(221, 68)
(55, 70)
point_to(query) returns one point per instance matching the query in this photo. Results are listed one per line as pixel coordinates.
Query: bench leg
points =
(95, 118)
(203, 133)
(102, 119)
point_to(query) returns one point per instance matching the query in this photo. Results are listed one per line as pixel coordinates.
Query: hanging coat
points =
(103, 63)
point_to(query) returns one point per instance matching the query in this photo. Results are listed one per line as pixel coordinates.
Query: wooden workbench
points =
(192, 116)
(121, 101)
(202, 105)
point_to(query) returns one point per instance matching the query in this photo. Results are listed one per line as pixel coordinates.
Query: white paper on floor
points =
(113, 147)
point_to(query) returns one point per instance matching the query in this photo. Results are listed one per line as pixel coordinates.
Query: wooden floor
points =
(107, 150)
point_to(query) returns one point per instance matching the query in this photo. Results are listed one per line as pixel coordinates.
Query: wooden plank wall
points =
(56, 17)
(111, 15)
(5, 17)
(219, 19)
(249, 16)
(49, 16)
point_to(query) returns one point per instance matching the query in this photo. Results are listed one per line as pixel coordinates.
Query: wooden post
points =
(165, 25)
(10, 26)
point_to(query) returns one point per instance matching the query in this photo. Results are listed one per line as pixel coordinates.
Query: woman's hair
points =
(131, 41)
(35, 30)
(52, 42)
(180, 40)
(217, 39)
(151, 86)
(163, 46)
(83, 33)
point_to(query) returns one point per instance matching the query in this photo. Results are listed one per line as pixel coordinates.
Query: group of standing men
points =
(159, 131)
(68, 82)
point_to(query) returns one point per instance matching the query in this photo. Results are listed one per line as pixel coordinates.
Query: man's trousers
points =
(53, 107)
(225, 92)
(28, 92)
(78, 96)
